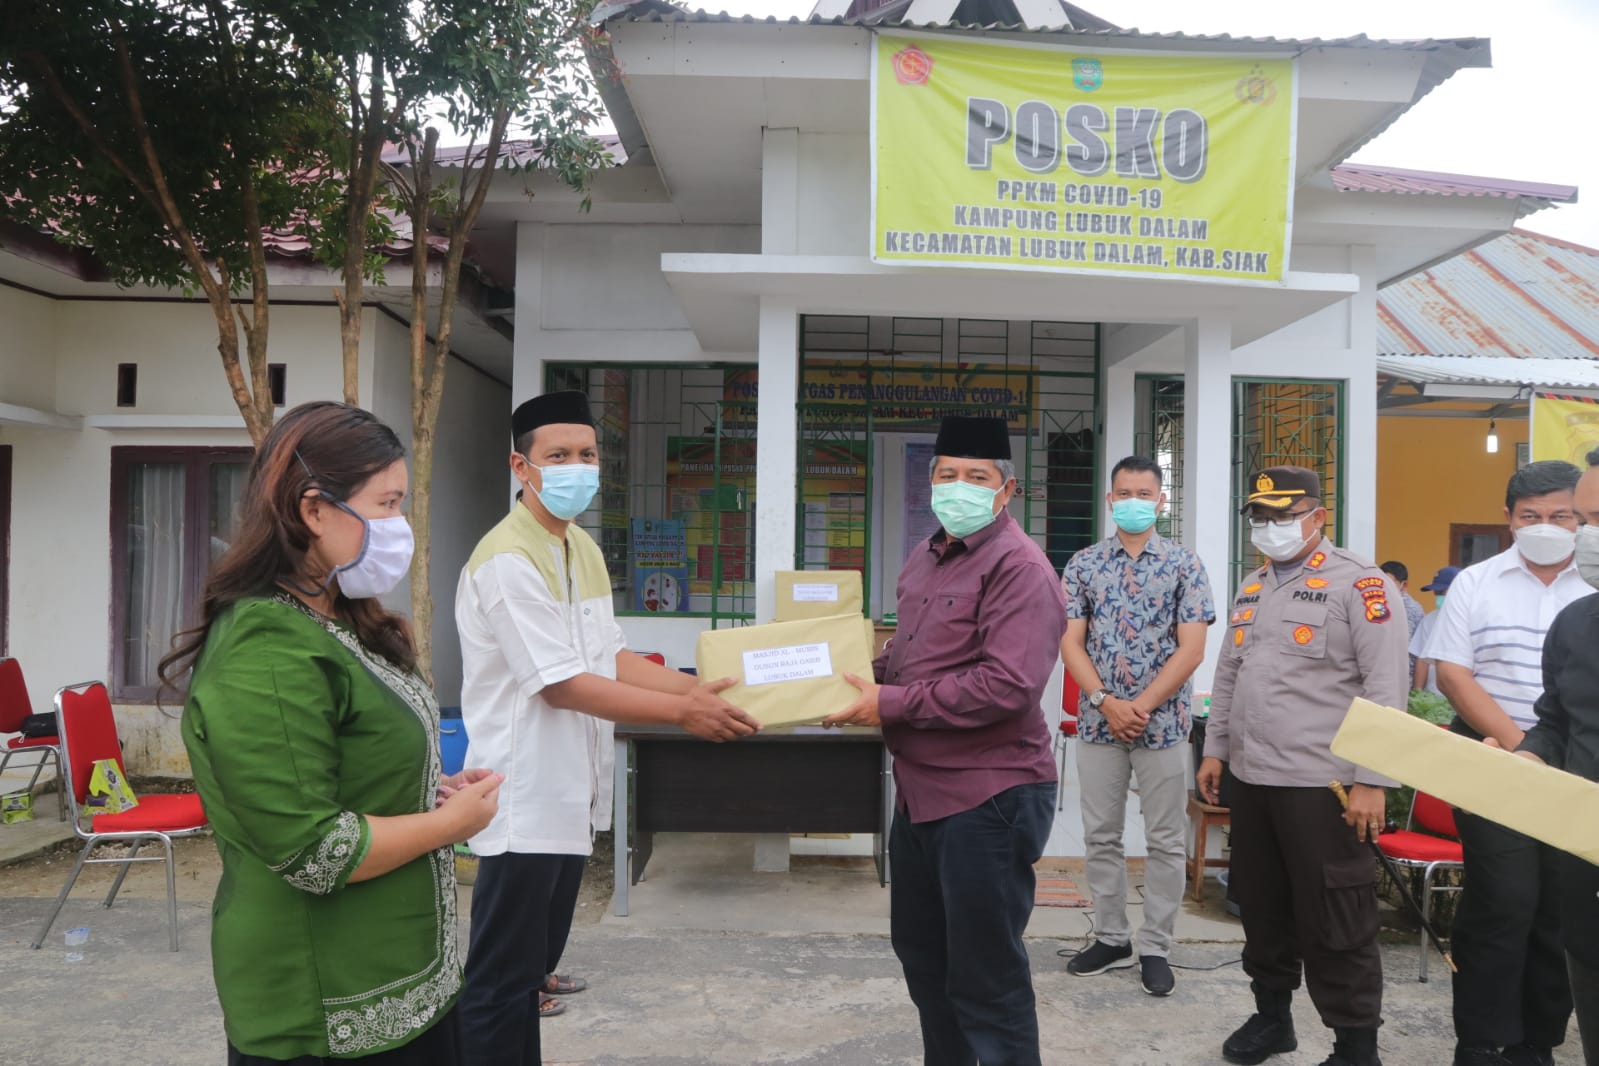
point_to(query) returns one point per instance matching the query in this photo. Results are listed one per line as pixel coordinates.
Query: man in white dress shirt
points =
(1512, 998)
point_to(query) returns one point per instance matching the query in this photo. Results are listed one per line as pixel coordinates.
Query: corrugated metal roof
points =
(1521, 295)
(1362, 177)
(1491, 370)
(654, 11)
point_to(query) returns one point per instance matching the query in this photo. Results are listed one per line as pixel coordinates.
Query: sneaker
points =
(1156, 975)
(1528, 1055)
(1469, 1055)
(1099, 957)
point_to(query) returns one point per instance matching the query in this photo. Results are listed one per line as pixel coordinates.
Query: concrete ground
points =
(715, 965)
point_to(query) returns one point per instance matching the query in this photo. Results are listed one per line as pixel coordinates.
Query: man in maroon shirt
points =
(981, 616)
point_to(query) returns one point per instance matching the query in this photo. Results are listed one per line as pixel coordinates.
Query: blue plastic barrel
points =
(452, 739)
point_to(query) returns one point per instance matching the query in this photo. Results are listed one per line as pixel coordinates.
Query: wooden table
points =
(801, 779)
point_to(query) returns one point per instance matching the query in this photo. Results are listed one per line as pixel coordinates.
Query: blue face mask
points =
(1133, 515)
(963, 508)
(1438, 598)
(568, 489)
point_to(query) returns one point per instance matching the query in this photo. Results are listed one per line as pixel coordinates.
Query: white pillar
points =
(1119, 415)
(780, 191)
(1360, 406)
(1207, 464)
(777, 456)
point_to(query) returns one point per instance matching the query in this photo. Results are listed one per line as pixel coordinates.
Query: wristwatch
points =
(1098, 698)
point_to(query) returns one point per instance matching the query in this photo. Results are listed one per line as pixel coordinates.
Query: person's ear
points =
(313, 512)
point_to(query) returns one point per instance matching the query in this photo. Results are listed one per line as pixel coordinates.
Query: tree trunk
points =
(421, 426)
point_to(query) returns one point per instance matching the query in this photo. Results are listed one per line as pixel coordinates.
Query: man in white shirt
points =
(545, 674)
(1512, 997)
(1424, 676)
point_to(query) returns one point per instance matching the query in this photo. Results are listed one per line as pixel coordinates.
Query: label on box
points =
(816, 593)
(795, 663)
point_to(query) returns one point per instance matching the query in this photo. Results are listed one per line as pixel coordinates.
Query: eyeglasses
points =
(1283, 520)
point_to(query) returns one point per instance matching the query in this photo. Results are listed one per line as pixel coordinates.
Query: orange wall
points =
(1434, 471)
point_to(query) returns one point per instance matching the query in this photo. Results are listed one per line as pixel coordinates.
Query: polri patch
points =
(1377, 610)
(1304, 635)
(1369, 583)
(1249, 590)
(1238, 638)
(1315, 582)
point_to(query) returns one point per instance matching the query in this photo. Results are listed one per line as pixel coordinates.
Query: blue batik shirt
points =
(1133, 608)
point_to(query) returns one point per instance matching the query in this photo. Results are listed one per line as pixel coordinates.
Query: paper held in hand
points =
(788, 673)
(1546, 804)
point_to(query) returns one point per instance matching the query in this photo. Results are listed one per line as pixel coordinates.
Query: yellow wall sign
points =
(1564, 427)
(1022, 156)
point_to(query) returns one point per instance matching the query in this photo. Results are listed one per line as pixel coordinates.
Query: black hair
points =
(1396, 569)
(1540, 479)
(1138, 464)
(1593, 457)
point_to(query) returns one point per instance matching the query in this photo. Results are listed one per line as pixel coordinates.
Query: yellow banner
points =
(1564, 427)
(1024, 156)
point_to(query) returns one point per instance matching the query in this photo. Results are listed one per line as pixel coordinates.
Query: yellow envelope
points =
(788, 673)
(818, 594)
(1546, 804)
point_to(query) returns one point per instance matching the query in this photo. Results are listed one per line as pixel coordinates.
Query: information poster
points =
(1039, 157)
(904, 397)
(1564, 427)
(920, 522)
(659, 562)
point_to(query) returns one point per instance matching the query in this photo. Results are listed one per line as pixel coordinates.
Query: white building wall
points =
(27, 349)
(60, 572)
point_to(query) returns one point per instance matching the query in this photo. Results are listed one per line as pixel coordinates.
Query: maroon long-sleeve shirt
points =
(980, 626)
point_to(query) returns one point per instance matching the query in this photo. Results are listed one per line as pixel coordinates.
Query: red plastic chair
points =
(14, 707)
(88, 734)
(1435, 848)
(1069, 697)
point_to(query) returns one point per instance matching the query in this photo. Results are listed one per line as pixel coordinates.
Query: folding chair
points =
(1068, 732)
(88, 733)
(14, 707)
(1434, 849)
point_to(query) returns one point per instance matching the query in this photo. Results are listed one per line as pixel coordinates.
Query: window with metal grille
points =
(1159, 435)
(873, 391)
(1282, 422)
(674, 516)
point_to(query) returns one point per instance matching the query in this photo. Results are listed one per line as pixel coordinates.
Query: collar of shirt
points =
(943, 545)
(532, 527)
(1156, 546)
(1511, 560)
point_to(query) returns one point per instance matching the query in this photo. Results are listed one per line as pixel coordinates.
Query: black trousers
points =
(438, 1045)
(1512, 987)
(1307, 888)
(961, 896)
(1585, 993)
(522, 907)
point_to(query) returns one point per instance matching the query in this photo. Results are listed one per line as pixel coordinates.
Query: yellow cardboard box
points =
(788, 673)
(818, 594)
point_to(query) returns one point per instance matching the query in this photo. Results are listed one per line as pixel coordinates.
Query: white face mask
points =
(1545, 545)
(384, 559)
(1279, 543)
(1588, 554)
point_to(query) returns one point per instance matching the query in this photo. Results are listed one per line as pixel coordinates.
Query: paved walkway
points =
(688, 980)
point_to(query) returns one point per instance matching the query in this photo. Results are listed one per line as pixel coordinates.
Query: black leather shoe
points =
(1468, 1055)
(1269, 1031)
(1528, 1055)
(1354, 1047)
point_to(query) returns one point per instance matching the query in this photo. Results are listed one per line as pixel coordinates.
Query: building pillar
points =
(1360, 404)
(1207, 465)
(776, 489)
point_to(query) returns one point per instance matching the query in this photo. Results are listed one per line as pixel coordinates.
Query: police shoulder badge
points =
(1377, 610)
(1315, 561)
(1250, 590)
(1369, 583)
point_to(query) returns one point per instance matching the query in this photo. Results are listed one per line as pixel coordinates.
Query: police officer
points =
(1309, 631)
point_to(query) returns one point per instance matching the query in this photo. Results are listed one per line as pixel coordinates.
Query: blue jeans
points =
(962, 893)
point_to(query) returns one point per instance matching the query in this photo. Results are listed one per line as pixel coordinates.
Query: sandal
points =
(549, 1006)
(560, 985)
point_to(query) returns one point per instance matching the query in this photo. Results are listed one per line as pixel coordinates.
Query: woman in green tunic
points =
(315, 749)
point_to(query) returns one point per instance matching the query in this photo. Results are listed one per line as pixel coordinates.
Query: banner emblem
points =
(1087, 74)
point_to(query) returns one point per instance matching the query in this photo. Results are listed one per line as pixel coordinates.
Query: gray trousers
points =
(1105, 771)
(1585, 993)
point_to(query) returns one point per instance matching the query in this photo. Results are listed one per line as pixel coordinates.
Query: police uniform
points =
(1303, 640)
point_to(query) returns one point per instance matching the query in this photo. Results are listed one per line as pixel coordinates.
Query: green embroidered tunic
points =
(296, 733)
